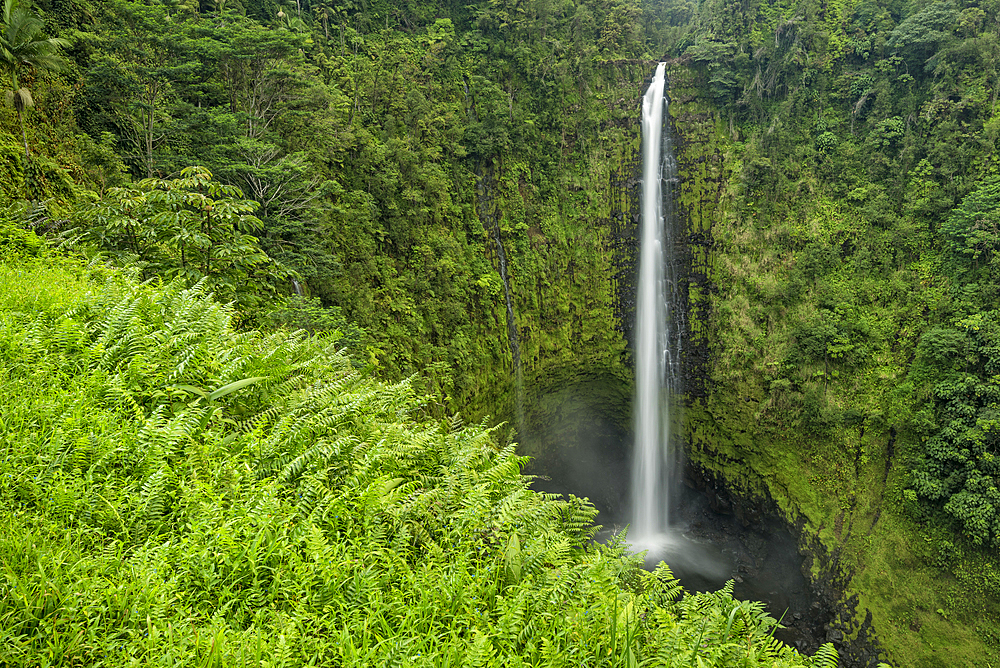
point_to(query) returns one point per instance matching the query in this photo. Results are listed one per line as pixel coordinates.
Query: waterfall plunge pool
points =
(714, 537)
(713, 540)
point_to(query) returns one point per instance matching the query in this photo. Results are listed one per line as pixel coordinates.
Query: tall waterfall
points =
(658, 334)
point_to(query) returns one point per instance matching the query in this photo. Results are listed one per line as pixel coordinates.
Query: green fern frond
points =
(156, 493)
(825, 657)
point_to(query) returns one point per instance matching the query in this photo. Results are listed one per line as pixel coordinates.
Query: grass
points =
(50, 287)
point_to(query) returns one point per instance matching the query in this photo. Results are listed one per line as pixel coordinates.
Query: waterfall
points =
(658, 331)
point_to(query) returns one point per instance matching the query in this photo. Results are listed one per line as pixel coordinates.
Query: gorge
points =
(695, 529)
(445, 201)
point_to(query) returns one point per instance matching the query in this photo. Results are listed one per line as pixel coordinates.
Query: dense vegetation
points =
(876, 164)
(434, 178)
(853, 318)
(176, 492)
(373, 140)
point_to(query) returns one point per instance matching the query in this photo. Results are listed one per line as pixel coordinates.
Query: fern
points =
(156, 496)
(325, 518)
(826, 657)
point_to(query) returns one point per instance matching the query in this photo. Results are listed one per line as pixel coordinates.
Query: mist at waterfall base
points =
(715, 538)
(671, 517)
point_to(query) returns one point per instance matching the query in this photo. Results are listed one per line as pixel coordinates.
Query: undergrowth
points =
(174, 492)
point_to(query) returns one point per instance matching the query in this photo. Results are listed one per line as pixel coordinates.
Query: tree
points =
(133, 79)
(193, 228)
(282, 184)
(920, 35)
(23, 48)
(256, 68)
(972, 232)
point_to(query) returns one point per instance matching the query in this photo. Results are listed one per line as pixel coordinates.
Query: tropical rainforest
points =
(291, 293)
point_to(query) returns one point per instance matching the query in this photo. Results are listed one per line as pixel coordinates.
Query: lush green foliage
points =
(392, 147)
(377, 142)
(854, 261)
(15, 240)
(862, 142)
(960, 465)
(191, 228)
(23, 49)
(173, 491)
(958, 367)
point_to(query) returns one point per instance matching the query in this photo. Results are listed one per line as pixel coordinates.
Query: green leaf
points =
(390, 485)
(512, 558)
(233, 387)
(190, 388)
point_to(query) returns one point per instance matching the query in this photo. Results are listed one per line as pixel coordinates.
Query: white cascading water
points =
(658, 329)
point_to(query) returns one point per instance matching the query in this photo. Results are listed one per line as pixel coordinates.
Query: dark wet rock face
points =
(773, 563)
(725, 537)
(763, 561)
(577, 445)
